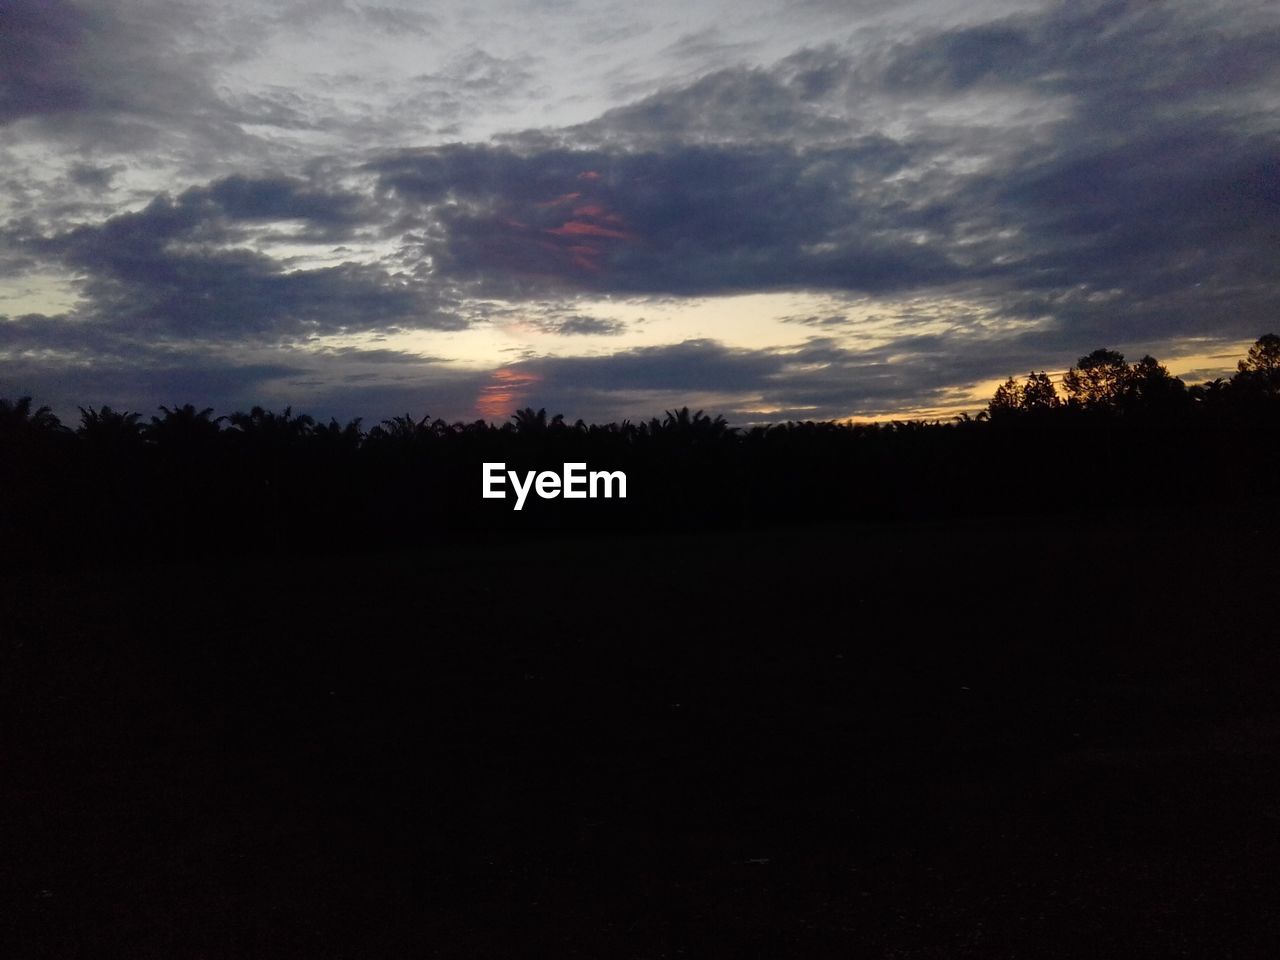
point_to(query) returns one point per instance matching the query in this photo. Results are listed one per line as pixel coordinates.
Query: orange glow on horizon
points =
(499, 398)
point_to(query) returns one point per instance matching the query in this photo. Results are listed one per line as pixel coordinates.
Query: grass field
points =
(1003, 738)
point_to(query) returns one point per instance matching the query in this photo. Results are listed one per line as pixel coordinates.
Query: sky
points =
(814, 209)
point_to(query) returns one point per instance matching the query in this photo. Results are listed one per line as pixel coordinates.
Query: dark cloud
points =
(961, 59)
(689, 366)
(178, 268)
(41, 39)
(818, 320)
(65, 384)
(380, 356)
(80, 341)
(70, 363)
(1147, 197)
(1120, 58)
(93, 177)
(582, 325)
(823, 378)
(333, 214)
(695, 220)
(426, 390)
(115, 75)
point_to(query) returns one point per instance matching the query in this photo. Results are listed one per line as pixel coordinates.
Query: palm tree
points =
(698, 425)
(527, 421)
(336, 437)
(105, 428)
(16, 417)
(405, 430)
(264, 428)
(184, 428)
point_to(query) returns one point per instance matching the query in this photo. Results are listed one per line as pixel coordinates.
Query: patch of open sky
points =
(40, 292)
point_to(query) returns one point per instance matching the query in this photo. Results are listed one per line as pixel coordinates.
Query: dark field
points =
(998, 738)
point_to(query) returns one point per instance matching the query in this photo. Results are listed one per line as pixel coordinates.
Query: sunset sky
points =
(768, 210)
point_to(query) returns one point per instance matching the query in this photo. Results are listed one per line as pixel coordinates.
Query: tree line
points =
(187, 482)
(1103, 381)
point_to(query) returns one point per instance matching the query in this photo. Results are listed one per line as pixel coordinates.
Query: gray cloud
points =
(142, 384)
(582, 325)
(41, 38)
(1121, 57)
(1146, 199)
(116, 75)
(179, 268)
(379, 356)
(820, 379)
(398, 20)
(696, 220)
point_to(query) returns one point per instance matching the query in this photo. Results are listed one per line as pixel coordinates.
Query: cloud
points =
(688, 220)
(379, 356)
(399, 20)
(180, 267)
(582, 325)
(1118, 58)
(142, 383)
(821, 378)
(333, 214)
(116, 75)
(41, 38)
(92, 177)
(691, 365)
(1109, 165)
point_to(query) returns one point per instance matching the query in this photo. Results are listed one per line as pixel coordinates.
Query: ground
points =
(1017, 737)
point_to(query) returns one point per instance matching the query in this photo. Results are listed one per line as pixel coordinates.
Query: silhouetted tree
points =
(335, 437)
(17, 418)
(403, 432)
(528, 421)
(1151, 386)
(268, 478)
(1210, 393)
(1099, 379)
(1264, 355)
(105, 428)
(265, 428)
(1036, 393)
(681, 422)
(1259, 372)
(184, 428)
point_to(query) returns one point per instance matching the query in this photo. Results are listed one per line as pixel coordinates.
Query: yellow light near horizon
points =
(506, 334)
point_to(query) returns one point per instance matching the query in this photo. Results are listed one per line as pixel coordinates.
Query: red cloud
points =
(597, 212)
(563, 198)
(580, 228)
